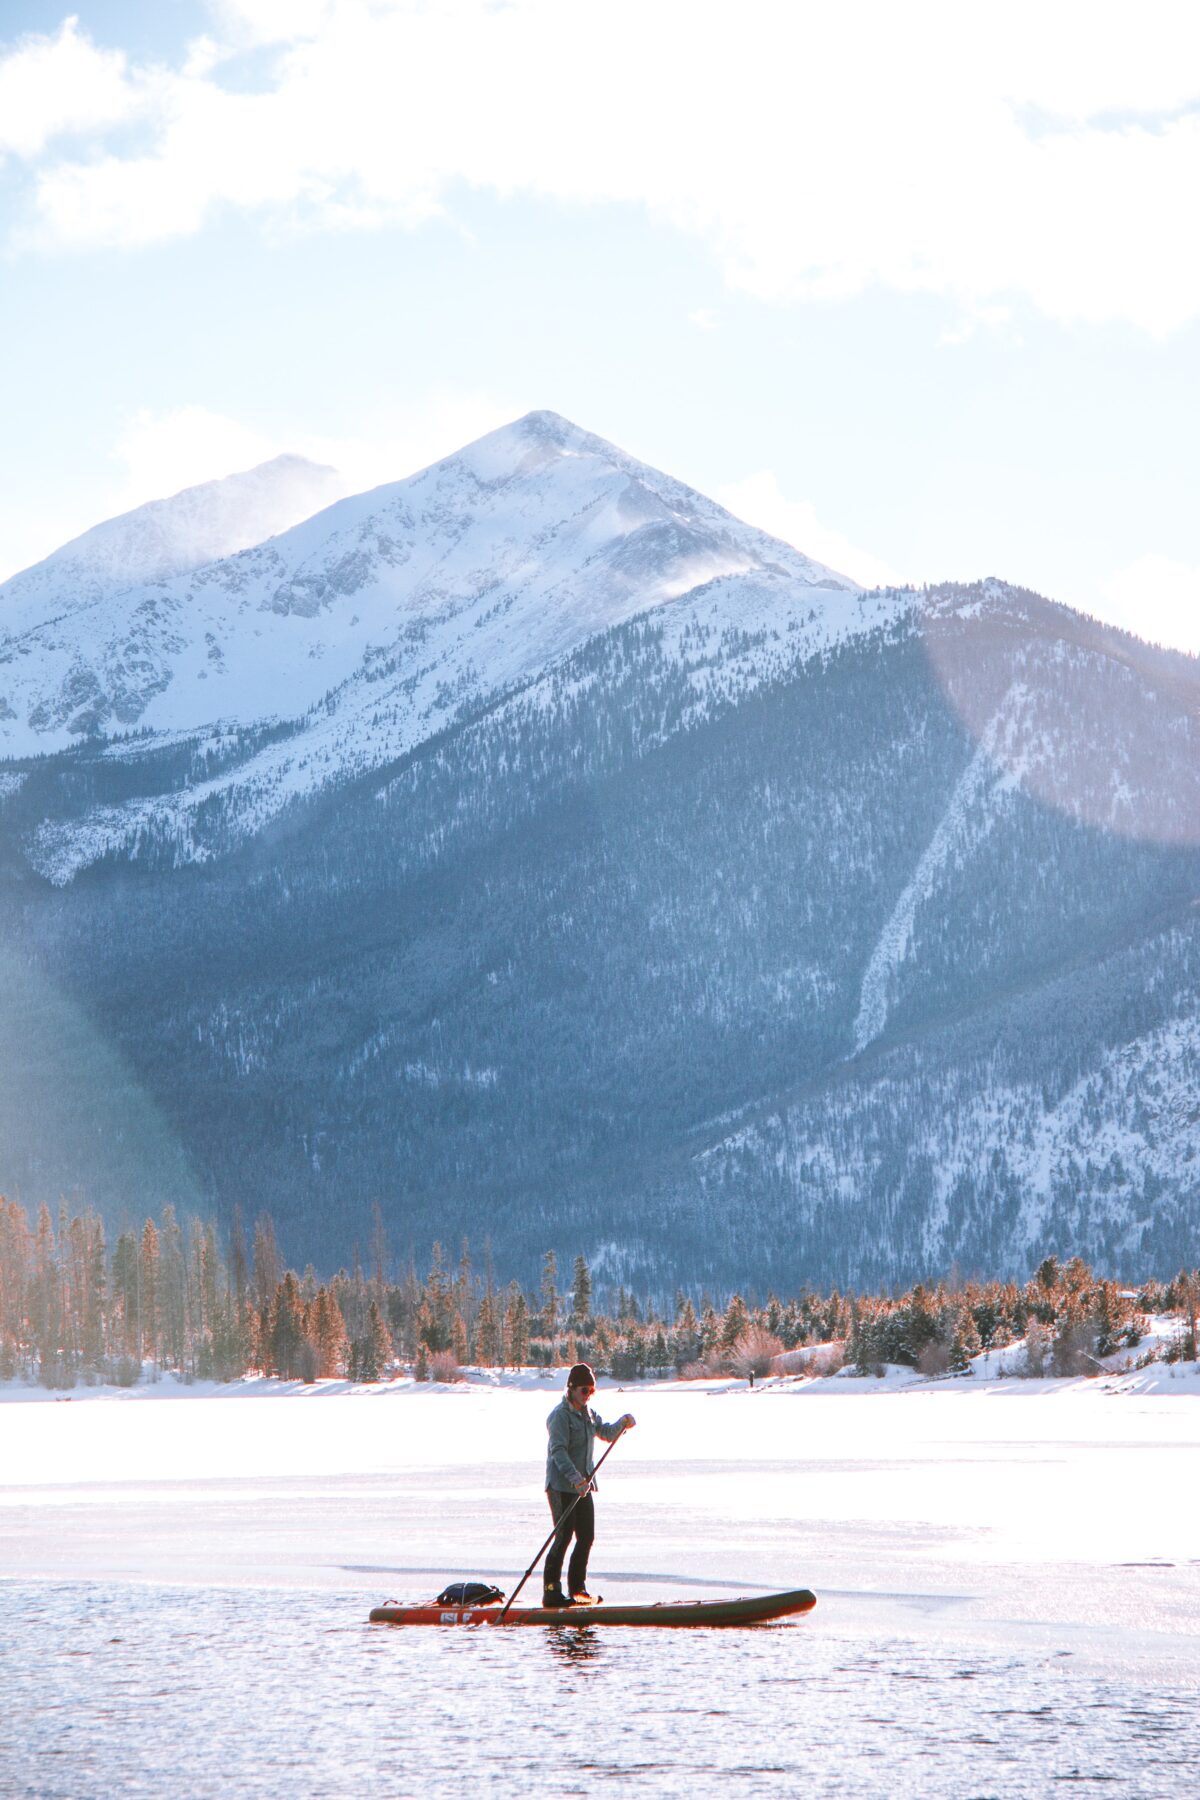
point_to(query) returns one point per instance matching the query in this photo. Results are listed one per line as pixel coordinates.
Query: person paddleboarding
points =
(573, 1428)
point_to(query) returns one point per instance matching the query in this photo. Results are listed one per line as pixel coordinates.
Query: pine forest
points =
(172, 1299)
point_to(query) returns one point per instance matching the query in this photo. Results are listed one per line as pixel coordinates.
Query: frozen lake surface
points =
(1008, 1577)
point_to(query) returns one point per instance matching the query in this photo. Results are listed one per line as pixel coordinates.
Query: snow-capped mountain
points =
(375, 624)
(165, 538)
(537, 536)
(537, 849)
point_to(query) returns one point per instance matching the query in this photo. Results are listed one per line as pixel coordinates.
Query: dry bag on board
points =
(469, 1593)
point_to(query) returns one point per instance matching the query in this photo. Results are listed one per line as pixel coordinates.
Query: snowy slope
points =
(539, 530)
(165, 538)
(1013, 1139)
(379, 621)
(972, 811)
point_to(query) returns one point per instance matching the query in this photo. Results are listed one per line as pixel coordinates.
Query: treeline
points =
(170, 1297)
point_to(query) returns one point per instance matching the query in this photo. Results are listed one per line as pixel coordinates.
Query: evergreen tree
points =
(601, 1345)
(237, 1260)
(380, 1257)
(286, 1330)
(1188, 1291)
(326, 1331)
(95, 1295)
(15, 1261)
(409, 1308)
(45, 1302)
(550, 1303)
(858, 1342)
(516, 1329)
(260, 1340)
(628, 1360)
(266, 1261)
(148, 1285)
(231, 1351)
(685, 1336)
(734, 1323)
(964, 1344)
(438, 1311)
(1106, 1318)
(490, 1346)
(710, 1329)
(581, 1294)
(427, 1332)
(922, 1326)
(378, 1342)
(172, 1291)
(462, 1299)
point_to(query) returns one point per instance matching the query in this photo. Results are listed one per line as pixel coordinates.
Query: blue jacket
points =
(572, 1438)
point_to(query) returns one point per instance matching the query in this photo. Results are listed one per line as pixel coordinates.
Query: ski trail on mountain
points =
(962, 827)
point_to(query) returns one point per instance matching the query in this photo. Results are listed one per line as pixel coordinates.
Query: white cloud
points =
(1158, 599)
(51, 86)
(994, 319)
(757, 499)
(164, 452)
(1046, 153)
(256, 22)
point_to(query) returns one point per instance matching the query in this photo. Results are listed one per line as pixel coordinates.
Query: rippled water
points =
(115, 1690)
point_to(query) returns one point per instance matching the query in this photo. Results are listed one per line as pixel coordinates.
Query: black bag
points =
(469, 1593)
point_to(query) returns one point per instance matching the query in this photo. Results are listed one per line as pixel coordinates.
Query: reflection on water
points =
(574, 1643)
(211, 1694)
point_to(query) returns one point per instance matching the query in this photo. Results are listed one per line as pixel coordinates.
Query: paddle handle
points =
(558, 1522)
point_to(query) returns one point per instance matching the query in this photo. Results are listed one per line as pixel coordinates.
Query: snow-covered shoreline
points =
(1143, 1371)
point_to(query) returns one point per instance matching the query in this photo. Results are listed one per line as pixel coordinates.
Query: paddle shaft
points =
(558, 1524)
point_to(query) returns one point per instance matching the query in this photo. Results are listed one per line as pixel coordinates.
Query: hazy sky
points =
(915, 285)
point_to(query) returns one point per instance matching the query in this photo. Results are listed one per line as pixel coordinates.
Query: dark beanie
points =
(579, 1374)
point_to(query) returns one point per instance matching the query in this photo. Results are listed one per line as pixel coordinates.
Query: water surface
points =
(112, 1689)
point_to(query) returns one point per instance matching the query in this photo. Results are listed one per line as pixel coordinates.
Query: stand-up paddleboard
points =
(758, 1610)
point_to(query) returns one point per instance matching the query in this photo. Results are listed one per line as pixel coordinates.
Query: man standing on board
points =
(573, 1428)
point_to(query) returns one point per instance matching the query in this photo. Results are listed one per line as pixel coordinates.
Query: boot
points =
(583, 1598)
(553, 1596)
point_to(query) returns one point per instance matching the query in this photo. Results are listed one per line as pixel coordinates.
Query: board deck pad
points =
(758, 1609)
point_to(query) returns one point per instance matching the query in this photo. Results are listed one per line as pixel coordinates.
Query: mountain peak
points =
(525, 444)
(467, 579)
(169, 536)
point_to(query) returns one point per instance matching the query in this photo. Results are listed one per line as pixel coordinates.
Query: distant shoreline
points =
(1178, 1380)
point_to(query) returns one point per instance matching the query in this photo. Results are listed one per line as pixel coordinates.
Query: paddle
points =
(558, 1522)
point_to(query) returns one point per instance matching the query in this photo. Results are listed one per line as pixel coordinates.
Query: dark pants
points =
(578, 1522)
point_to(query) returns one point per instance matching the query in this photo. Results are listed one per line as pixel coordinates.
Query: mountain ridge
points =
(389, 612)
(333, 590)
(166, 537)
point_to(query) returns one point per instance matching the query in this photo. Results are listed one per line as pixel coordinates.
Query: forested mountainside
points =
(768, 932)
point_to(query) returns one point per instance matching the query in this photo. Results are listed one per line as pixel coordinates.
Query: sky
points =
(913, 285)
